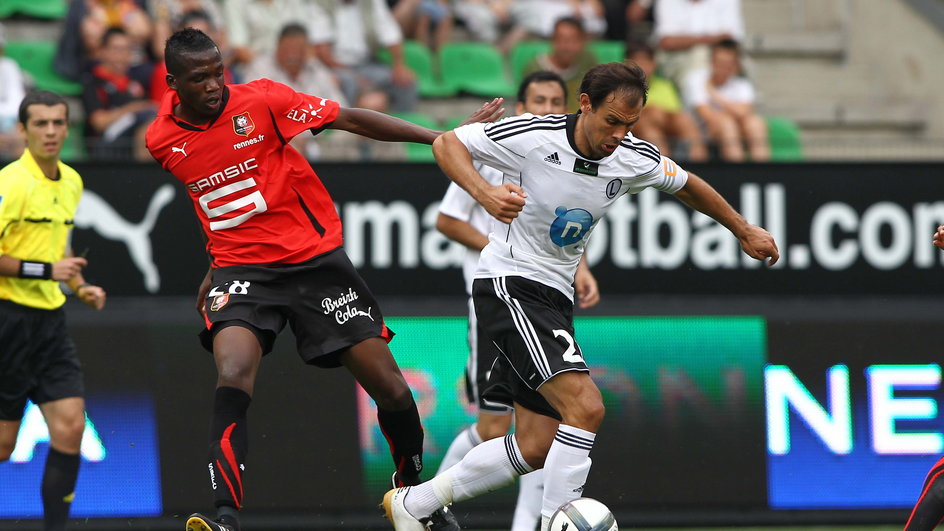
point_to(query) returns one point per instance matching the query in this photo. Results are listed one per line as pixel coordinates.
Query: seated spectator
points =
(664, 120)
(168, 14)
(724, 101)
(200, 20)
(485, 20)
(117, 107)
(569, 58)
(685, 30)
(12, 91)
(294, 64)
(253, 26)
(350, 33)
(101, 15)
(427, 21)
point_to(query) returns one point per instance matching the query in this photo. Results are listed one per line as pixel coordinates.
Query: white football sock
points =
(530, 497)
(545, 523)
(487, 467)
(465, 441)
(566, 467)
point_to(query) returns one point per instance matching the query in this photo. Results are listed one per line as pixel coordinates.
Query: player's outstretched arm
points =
(503, 201)
(755, 241)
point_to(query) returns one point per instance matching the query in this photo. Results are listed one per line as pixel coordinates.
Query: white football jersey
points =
(567, 193)
(457, 203)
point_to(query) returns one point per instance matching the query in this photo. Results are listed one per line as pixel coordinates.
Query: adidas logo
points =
(553, 158)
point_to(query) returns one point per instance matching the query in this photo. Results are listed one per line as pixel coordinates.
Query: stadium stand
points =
(475, 68)
(35, 58)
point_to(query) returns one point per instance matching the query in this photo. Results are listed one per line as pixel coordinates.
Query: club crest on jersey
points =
(613, 187)
(242, 124)
(219, 301)
(585, 167)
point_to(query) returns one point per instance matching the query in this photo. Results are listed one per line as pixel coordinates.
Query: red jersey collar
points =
(170, 100)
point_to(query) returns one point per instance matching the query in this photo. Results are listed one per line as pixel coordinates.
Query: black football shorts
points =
(532, 326)
(324, 300)
(482, 356)
(38, 359)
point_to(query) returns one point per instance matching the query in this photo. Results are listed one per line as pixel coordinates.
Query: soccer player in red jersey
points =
(274, 242)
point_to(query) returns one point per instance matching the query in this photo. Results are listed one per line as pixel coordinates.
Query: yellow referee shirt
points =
(36, 215)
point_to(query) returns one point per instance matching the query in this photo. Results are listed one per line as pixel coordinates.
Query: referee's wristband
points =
(41, 270)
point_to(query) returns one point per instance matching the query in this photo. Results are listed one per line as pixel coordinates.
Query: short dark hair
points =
(572, 21)
(40, 97)
(608, 78)
(539, 77)
(185, 41)
(111, 32)
(293, 30)
(727, 44)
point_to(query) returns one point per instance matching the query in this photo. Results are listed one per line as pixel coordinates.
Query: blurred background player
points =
(12, 90)
(463, 220)
(38, 359)
(928, 511)
(283, 215)
(569, 57)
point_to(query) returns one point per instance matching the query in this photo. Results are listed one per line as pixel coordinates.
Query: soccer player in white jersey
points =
(463, 220)
(561, 173)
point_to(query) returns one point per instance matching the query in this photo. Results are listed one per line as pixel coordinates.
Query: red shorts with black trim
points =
(324, 300)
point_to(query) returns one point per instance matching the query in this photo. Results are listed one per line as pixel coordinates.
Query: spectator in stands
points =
(664, 120)
(197, 19)
(569, 57)
(12, 91)
(685, 30)
(102, 15)
(253, 26)
(168, 14)
(293, 63)
(724, 101)
(427, 21)
(117, 106)
(485, 20)
(348, 38)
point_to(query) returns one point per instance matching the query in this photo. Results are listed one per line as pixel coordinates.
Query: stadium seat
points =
(522, 53)
(419, 58)
(608, 51)
(36, 59)
(784, 137)
(73, 149)
(50, 9)
(418, 152)
(476, 68)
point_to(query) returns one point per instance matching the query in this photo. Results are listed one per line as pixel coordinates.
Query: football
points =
(583, 514)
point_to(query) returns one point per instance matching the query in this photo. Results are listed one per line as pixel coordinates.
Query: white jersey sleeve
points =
(666, 176)
(498, 144)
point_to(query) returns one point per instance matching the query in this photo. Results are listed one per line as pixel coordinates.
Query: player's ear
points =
(171, 81)
(585, 106)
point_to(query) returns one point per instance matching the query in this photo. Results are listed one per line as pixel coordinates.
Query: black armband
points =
(41, 270)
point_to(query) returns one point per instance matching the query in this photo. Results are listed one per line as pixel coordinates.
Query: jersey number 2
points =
(571, 355)
(255, 199)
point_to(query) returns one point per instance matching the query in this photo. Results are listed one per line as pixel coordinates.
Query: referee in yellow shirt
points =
(38, 198)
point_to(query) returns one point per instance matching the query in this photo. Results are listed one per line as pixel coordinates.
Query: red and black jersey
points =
(257, 198)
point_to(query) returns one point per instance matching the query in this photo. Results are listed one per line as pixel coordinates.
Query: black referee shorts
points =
(324, 300)
(532, 326)
(38, 359)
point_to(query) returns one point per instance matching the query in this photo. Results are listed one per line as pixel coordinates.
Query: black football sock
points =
(929, 510)
(58, 488)
(229, 444)
(404, 434)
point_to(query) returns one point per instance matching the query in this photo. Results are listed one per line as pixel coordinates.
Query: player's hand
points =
(939, 237)
(504, 201)
(65, 269)
(202, 294)
(758, 243)
(93, 296)
(488, 112)
(585, 285)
